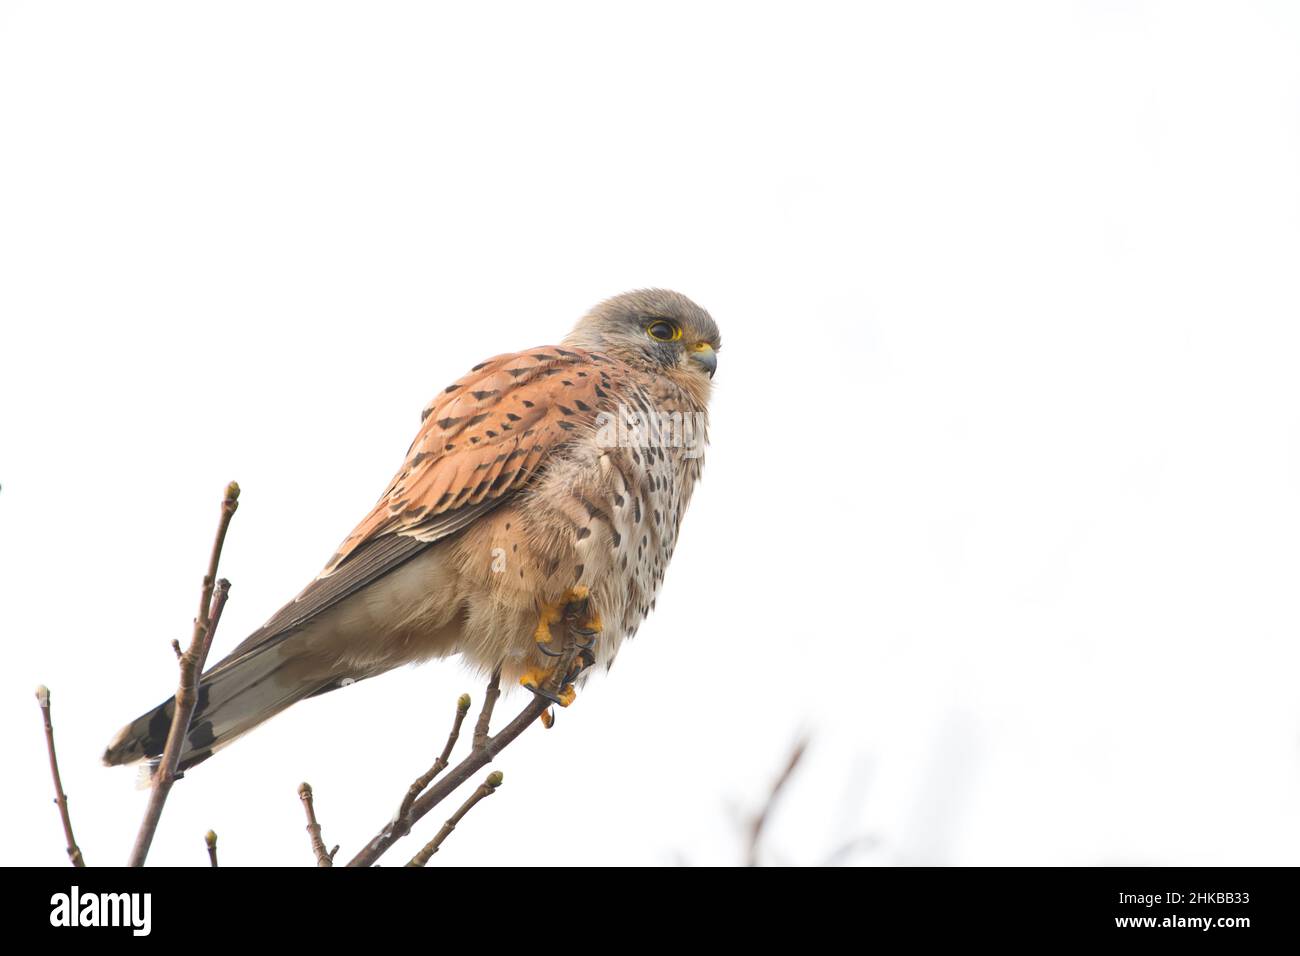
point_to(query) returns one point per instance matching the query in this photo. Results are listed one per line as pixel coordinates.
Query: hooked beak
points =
(703, 355)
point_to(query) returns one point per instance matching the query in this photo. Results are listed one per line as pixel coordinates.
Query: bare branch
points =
(402, 822)
(477, 759)
(323, 858)
(486, 789)
(191, 666)
(60, 798)
(760, 820)
(485, 715)
(210, 838)
(484, 750)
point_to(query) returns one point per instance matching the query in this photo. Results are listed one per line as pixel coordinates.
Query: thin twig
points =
(210, 838)
(60, 798)
(485, 748)
(760, 820)
(323, 858)
(485, 715)
(191, 666)
(485, 789)
(218, 605)
(401, 822)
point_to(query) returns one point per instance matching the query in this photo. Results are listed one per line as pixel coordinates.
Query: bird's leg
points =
(582, 624)
(549, 614)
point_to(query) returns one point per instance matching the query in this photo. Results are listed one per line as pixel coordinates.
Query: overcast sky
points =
(1001, 506)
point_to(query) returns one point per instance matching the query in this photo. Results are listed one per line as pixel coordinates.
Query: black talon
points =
(543, 692)
(584, 660)
(546, 649)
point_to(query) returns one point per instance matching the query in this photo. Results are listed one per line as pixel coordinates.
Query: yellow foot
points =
(536, 678)
(581, 625)
(549, 614)
(575, 611)
(573, 608)
(590, 624)
(579, 613)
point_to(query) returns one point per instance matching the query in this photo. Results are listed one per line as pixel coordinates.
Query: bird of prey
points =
(542, 481)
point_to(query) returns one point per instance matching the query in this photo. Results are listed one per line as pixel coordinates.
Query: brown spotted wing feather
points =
(482, 439)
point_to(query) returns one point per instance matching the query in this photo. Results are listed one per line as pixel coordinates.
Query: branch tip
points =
(323, 858)
(60, 798)
(190, 662)
(484, 790)
(486, 747)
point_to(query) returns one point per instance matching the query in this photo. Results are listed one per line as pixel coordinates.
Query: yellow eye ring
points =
(661, 330)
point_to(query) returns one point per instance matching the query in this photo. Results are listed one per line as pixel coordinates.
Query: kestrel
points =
(542, 481)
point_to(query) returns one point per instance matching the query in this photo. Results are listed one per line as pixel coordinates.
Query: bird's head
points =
(656, 329)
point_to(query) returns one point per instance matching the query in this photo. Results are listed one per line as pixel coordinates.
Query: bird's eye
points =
(663, 331)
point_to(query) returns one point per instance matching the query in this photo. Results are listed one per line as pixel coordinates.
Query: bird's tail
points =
(233, 698)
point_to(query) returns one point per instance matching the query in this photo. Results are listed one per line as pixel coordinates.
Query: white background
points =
(1002, 500)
